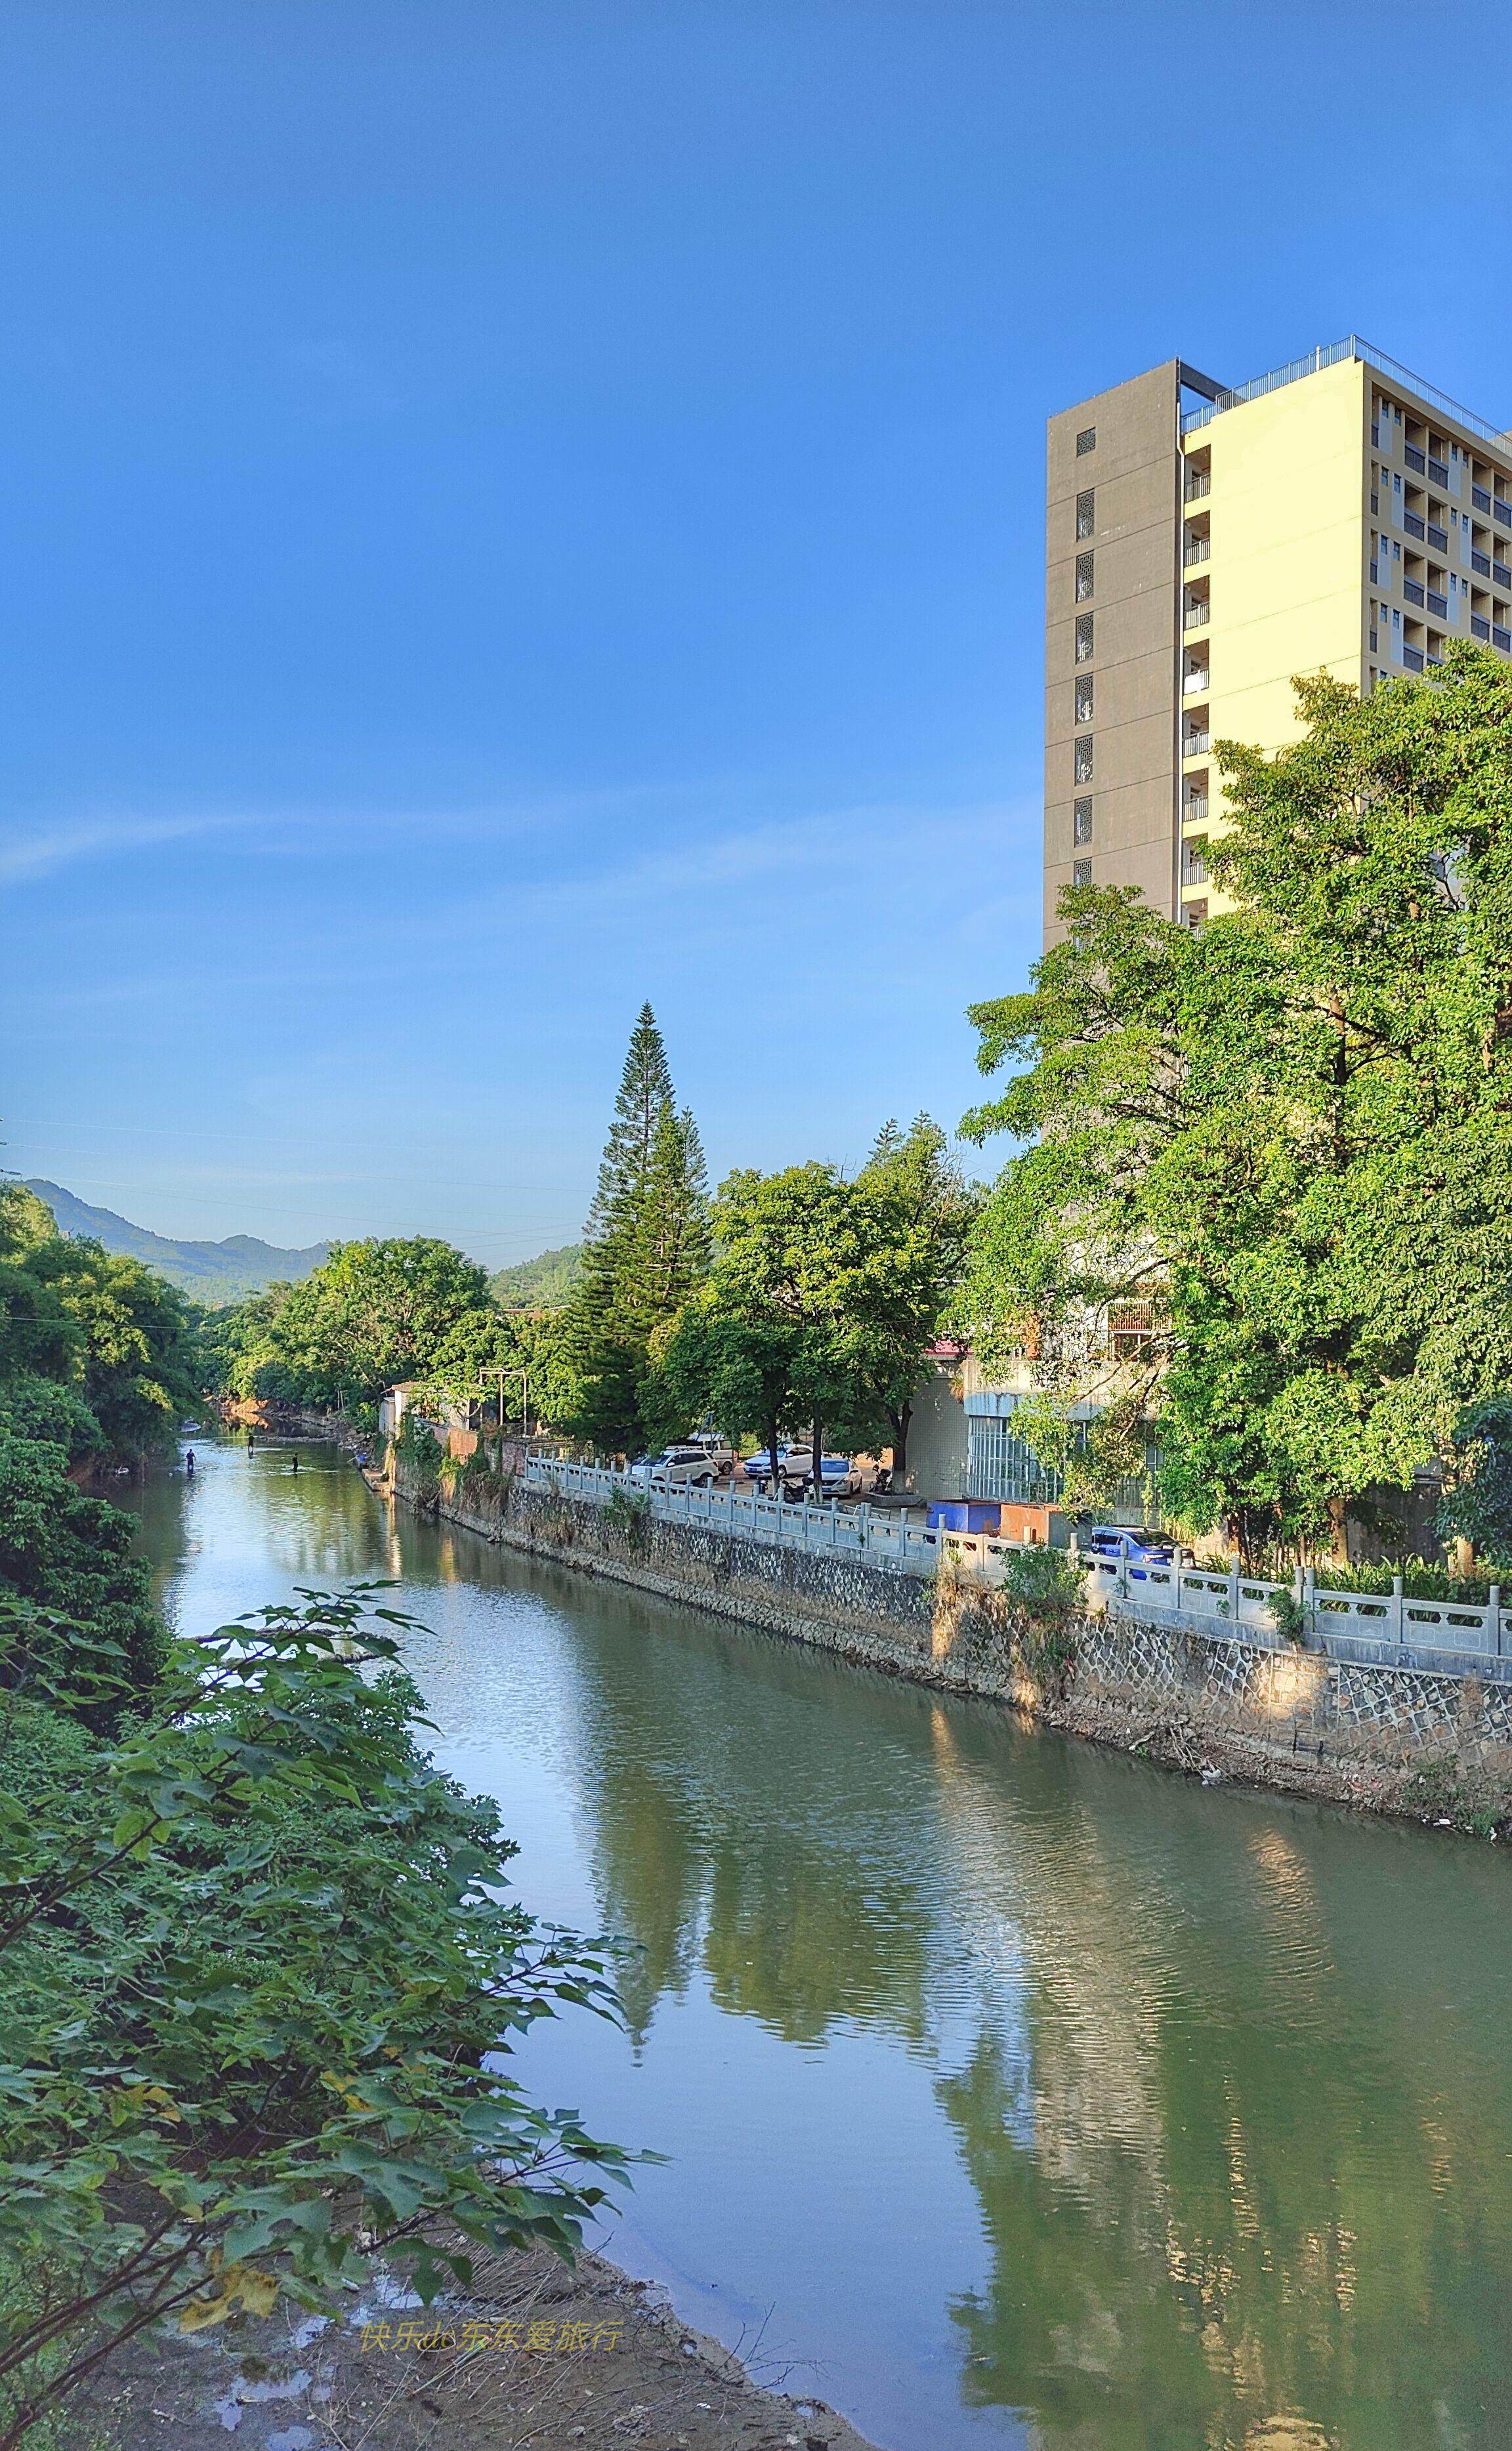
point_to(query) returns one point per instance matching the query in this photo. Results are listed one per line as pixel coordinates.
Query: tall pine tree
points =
(646, 1246)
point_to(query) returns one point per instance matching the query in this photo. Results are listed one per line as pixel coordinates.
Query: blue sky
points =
(507, 511)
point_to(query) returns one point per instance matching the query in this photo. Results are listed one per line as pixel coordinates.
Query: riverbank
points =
(1434, 1748)
(539, 2355)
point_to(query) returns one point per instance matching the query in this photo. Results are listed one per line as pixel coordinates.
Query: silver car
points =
(685, 1467)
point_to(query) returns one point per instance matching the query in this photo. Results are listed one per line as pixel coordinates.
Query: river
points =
(1013, 2092)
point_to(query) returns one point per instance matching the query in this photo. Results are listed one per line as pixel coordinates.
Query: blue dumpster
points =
(964, 1515)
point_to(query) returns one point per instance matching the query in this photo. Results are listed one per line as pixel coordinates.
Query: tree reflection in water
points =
(1231, 2077)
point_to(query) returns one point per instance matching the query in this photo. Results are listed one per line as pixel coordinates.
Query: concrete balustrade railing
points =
(1377, 1630)
(1382, 1629)
(886, 1540)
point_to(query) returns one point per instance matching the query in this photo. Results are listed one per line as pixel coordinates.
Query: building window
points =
(1085, 514)
(1082, 822)
(1085, 441)
(1000, 1465)
(1084, 577)
(1130, 1330)
(1083, 637)
(1193, 862)
(1081, 872)
(1084, 698)
(1194, 914)
(1084, 758)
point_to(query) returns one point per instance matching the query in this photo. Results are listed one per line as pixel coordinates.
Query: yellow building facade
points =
(1205, 545)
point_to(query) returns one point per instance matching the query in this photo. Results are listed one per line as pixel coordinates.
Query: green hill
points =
(540, 1284)
(212, 1273)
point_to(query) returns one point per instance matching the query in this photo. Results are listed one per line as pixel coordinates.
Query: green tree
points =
(1477, 1504)
(63, 1551)
(376, 1312)
(139, 1362)
(1264, 1184)
(645, 1246)
(240, 1353)
(825, 1296)
(912, 1215)
(760, 1346)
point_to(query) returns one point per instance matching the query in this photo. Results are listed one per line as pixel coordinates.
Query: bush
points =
(1045, 1588)
(627, 1517)
(253, 1959)
(72, 1554)
(1044, 1585)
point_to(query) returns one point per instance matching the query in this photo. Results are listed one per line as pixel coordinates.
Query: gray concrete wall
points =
(1392, 1740)
(938, 1438)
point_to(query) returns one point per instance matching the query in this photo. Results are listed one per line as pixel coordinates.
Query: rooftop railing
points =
(1335, 354)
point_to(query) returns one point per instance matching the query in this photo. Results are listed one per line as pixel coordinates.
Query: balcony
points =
(1438, 604)
(1194, 682)
(1439, 538)
(1501, 573)
(1412, 659)
(1416, 458)
(1196, 549)
(1480, 562)
(1479, 628)
(1195, 867)
(1501, 513)
(1502, 639)
(1197, 744)
(1198, 484)
(1412, 590)
(1413, 524)
(1196, 616)
(1438, 470)
(1480, 497)
(1434, 658)
(1195, 809)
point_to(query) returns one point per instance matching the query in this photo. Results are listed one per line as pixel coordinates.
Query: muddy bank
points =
(537, 2356)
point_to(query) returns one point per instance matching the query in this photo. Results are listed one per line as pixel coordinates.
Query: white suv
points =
(685, 1467)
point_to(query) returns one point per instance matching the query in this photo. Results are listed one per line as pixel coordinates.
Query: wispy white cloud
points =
(46, 849)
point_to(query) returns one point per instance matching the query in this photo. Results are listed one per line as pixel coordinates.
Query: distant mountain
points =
(540, 1284)
(214, 1273)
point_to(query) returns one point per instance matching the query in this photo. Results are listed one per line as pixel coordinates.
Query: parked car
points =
(681, 1467)
(838, 1475)
(719, 1450)
(1144, 1548)
(757, 1467)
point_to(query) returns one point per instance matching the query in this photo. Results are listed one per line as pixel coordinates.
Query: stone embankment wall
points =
(1391, 1739)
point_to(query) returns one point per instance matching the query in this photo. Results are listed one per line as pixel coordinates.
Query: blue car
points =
(1144, 1548)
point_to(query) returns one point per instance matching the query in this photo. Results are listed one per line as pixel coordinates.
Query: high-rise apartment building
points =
(1202, 546)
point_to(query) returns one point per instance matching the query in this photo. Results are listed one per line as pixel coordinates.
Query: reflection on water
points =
(1011, 2088)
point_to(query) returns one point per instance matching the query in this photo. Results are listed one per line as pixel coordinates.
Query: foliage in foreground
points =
(1269, 1166)
(252, 1961)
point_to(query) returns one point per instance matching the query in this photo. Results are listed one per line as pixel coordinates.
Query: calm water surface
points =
(1015, 2093)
